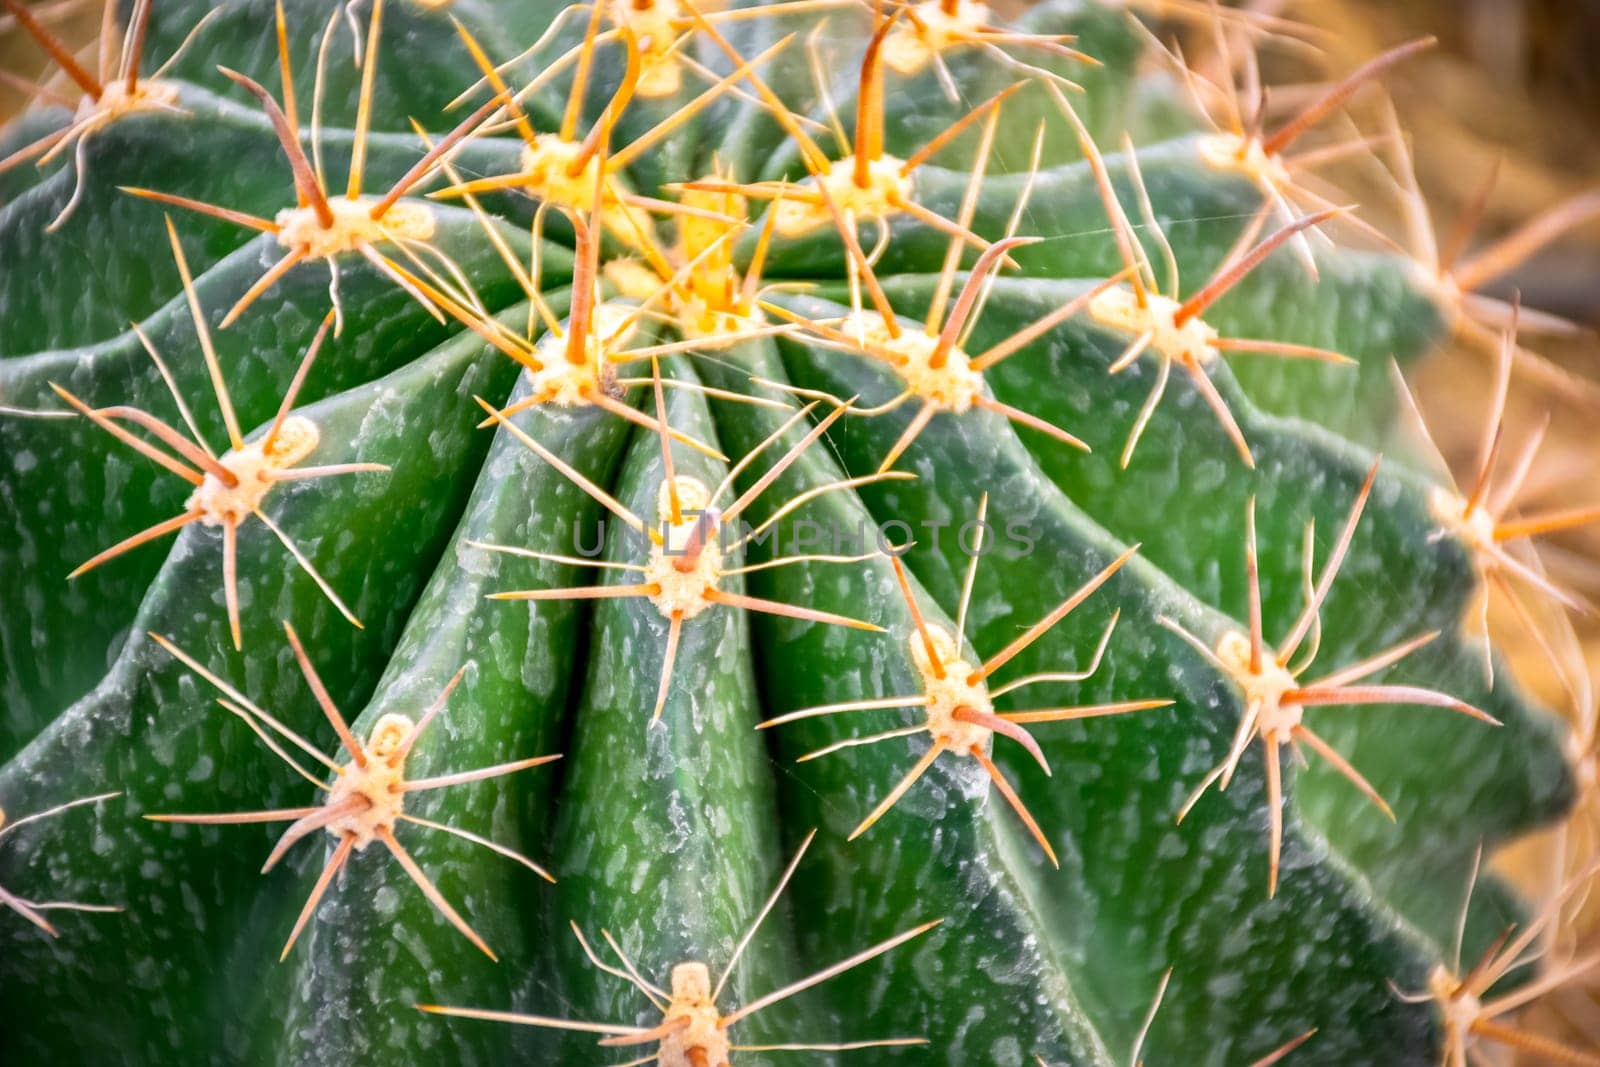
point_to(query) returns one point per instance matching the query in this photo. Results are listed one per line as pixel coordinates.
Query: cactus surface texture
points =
(744, 533)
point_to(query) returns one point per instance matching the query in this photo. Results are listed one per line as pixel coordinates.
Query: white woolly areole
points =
(928, 31)
(115, 101)
(683, 578)
(1458, 1011)
(1237, 154)
(655, 28)
(566, 384)
(691, 999)
(1193, 344)
(380, 783)
(953, 691)
(546, 166)
(1474, 528)
(353, 225)
(885, 191)
(954, 387)
(252, 466)
(1264, 688)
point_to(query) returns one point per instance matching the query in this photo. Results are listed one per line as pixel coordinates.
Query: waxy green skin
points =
(695, 790)
(671, 835)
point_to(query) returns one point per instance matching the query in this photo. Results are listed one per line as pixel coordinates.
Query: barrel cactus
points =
(793, 536)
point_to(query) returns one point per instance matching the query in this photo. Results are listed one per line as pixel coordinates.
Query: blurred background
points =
(1516, 85)
(1512, 93)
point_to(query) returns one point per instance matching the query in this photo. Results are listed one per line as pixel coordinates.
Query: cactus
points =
(776, 534)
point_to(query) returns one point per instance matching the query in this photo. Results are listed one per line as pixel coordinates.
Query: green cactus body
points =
(677, 803)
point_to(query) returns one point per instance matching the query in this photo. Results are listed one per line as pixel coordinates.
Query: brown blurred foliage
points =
(73, 20)
(1518, 82)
